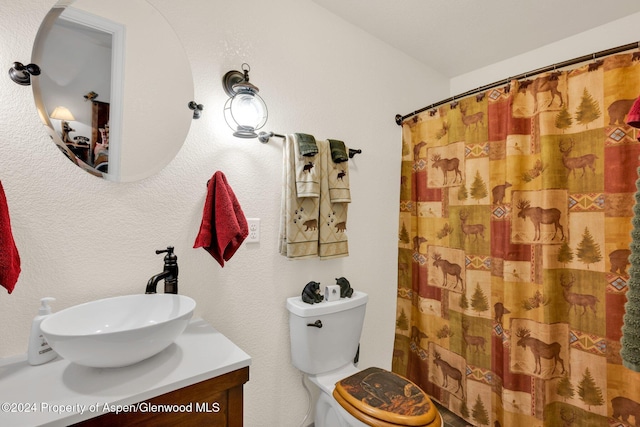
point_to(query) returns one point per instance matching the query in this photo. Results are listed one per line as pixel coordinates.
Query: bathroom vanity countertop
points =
(59, 393)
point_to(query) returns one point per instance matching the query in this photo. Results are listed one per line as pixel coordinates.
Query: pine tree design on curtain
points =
(513, 237)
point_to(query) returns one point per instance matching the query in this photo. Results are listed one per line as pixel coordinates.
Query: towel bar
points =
(265, 136)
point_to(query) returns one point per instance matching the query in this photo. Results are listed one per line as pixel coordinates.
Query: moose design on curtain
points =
(514, 232)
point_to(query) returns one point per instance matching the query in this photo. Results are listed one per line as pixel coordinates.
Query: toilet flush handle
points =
(316, 324)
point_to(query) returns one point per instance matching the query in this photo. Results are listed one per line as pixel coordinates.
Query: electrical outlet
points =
(254, 230)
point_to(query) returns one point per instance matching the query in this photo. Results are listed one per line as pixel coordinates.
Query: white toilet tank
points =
(315, 349)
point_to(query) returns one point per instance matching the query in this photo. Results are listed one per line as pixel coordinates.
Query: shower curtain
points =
(514, 232)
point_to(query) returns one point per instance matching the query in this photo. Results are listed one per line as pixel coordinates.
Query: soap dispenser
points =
(40, 351)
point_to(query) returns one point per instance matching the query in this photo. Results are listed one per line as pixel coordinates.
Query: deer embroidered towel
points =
(9, 256)
(333, 215)
(338, 174)
(224, 226)
(633, 118)
(307, 174)
(298, 236)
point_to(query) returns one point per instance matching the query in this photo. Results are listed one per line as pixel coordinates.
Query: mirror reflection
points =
(77, 55)
(114, 87)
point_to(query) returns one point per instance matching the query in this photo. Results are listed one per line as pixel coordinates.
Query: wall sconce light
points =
(64, 115)
(245, 111)
(21, 74)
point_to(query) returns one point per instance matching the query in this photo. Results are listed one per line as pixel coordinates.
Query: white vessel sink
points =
(119, 331)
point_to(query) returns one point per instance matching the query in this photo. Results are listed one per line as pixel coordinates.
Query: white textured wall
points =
(82, 238)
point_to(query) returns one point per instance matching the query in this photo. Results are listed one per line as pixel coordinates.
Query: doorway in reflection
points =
(77, 85)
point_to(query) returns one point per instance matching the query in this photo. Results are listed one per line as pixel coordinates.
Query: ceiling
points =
(454, 37)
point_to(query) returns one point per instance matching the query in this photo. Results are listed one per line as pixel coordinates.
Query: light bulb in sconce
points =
(64, 115)
(245, 111)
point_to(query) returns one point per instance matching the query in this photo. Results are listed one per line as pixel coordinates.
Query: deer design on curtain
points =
(514, 232)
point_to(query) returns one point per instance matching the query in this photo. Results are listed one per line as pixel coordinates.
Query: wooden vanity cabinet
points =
(217, 402)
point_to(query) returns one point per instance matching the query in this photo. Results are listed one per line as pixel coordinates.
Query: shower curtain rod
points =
(265, 136)
(399, 118)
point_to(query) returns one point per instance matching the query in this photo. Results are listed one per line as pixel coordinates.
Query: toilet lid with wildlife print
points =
(386, 396)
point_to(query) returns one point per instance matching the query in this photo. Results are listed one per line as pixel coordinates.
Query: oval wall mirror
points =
(115, 86)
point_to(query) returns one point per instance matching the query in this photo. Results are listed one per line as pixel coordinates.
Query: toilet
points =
(324, 343)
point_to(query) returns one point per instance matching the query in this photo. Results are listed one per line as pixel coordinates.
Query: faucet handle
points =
(170, 259)
(168, 251)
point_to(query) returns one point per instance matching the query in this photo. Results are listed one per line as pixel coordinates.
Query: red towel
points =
(9, 257)
(223, 227)
(633, 118)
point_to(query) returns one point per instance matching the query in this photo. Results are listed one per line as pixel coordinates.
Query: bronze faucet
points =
(169, 274)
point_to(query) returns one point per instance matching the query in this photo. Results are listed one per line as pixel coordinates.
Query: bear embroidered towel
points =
(298, 237)
(224, 226)
(333, 242)
(9, 256)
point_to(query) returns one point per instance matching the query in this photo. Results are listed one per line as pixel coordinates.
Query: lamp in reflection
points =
(245, 111)
(64, 115)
